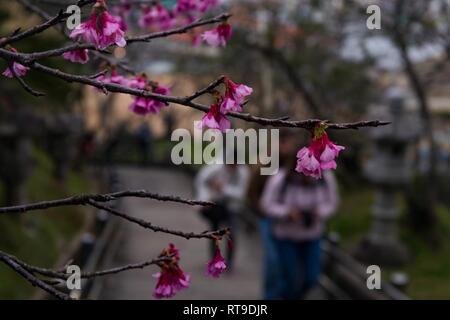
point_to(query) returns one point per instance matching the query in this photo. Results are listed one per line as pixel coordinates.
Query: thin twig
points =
(206, 89)
(34, 30)
(36, 282)
(85, 275)
(23, 83)
(185, 101)
(213, 235)
(142, 38)
(84, 199)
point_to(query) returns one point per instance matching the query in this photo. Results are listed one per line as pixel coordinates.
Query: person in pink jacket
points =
(299, 206)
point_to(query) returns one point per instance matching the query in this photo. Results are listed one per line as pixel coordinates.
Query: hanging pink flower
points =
(214, 119)
(234, 96)
(171, 278)
(19, 69)
(308, 164)
(77, 56)
(122, 22)
(217, 265)
(218, 36)
(320, 155)
(101, 30)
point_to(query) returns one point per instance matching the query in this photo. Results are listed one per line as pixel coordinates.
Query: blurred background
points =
(304, 59)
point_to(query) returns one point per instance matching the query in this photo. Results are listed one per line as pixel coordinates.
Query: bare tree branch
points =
(147, 225)
(85, 275)
(186, 101)
(36, 282)
(84, 199)
(24, 84)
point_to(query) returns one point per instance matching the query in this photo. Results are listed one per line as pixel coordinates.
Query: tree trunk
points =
(426, 221)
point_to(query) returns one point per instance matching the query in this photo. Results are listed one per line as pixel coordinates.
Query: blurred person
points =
(226, 185)
(288, 143)
(299, 206)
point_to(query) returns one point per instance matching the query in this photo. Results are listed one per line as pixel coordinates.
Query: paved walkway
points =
(138, 244)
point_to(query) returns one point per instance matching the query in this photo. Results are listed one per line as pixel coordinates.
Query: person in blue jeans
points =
(298, 207)
(271, 269)
(272, 287)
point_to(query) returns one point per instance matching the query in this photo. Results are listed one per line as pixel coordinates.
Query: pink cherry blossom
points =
(218, 36)
(217, 265)
(144, 105)
(234, 96)
(114, 78)
(328, 155)
(229, 104)
(77, 56)
(319, 156)
(139, 82)
(101, 30)
(19, 69)
(214, 119)
(308, 164)
(171, 279)
(122, 22)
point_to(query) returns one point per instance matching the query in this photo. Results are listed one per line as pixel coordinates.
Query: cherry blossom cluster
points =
(104, 29)
(140, 105)
(320, 155)
(171, 278)
(233, 100)
(163, 17)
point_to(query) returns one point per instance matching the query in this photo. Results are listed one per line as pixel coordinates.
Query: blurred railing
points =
(345, 278)
(97, 248)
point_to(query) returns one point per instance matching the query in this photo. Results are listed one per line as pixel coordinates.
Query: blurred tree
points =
(412, 25)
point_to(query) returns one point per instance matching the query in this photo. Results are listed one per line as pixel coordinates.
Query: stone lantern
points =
(389, 169)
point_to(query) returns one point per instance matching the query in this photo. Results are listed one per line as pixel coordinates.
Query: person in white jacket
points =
(226, 185)
(299, 206)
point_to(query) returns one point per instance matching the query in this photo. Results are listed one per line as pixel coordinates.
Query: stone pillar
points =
(389, 169)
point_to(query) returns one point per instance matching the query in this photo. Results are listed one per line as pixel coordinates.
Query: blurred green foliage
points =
(429, 268)
(60, 95)
(39, 237)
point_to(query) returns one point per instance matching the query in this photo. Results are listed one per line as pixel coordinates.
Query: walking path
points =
(137, 244)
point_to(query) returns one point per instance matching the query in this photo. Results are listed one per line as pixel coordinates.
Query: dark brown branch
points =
(34, 30)
(111, 87)
(162, 34)
(84, 199)
(86, 275)
(24, 84)
(36, 282)
(142, 38)
(206, 89)
(147, 225)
